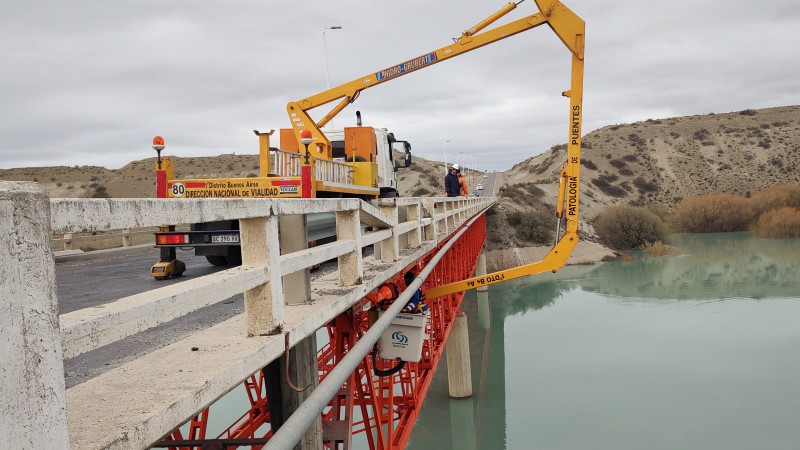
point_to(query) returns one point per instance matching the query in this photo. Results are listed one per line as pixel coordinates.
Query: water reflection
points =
(711, 266)
(585, 370)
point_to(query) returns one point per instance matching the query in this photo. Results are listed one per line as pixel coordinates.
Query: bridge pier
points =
(33, 395)
(459, 369)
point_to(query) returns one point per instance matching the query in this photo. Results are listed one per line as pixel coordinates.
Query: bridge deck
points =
(134, 405)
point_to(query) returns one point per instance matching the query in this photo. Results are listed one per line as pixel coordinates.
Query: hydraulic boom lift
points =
(361, 159)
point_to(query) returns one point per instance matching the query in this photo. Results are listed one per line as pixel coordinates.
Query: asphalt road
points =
(489, 185)
(88, 283)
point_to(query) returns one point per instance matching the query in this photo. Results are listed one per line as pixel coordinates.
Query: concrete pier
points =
(458, 364)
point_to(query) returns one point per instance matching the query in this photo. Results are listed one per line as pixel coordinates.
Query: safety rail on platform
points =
(35, 414)
(333, 171)
(286, 164)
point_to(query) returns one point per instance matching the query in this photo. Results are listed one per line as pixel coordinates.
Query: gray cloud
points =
(92, 82)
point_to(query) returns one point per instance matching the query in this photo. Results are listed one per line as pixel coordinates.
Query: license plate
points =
(225, 238)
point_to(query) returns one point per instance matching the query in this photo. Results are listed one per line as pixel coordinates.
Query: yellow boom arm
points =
(469, 40)
(570, 29)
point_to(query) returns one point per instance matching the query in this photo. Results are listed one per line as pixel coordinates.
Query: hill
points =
(663, 161)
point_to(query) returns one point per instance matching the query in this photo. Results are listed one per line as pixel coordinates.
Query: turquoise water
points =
(697, 351)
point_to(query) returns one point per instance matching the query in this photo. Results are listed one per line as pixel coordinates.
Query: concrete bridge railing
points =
(136, 404)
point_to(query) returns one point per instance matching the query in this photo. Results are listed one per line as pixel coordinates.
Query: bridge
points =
(270, 349)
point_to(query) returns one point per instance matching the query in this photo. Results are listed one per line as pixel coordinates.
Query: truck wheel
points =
(216, 260)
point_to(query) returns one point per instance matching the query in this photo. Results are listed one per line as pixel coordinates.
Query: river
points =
(697, 351)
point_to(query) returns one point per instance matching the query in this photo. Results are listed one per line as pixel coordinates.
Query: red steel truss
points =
(381, 410)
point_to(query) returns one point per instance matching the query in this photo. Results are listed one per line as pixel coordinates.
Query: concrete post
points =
(449, 211)
(414, 212)
(459, 375)
(126, 238)
(33, 410)
(303, 372)
(390, 248)
(263, 305)
(351, 265)
(293, 235)
(429, 231)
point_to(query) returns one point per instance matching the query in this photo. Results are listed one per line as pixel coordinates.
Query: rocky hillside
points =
(663, 161)
(137, 179)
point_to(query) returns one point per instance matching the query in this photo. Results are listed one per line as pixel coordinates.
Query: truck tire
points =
(216, 260)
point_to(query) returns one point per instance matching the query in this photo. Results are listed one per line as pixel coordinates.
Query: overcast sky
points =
(90, 83)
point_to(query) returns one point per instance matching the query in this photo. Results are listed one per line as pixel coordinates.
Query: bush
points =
(645, 186)
(625, 227)
(658, 248)
(603, 182)
(783, 222)
(712, 213)
(533, 226)
(787, 194)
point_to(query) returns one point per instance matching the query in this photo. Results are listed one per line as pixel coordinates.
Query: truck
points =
(360, 163)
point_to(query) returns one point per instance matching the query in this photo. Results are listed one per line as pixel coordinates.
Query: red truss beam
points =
(382, 409)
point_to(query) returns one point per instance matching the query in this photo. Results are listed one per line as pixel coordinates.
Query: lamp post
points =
(325, 47)
(445, 156)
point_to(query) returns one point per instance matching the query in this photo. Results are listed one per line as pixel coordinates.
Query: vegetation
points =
(771, 212)
(782, 222)
(625, 227)
(659, 248)
(711, 213)
(786, 194)
(532, 226)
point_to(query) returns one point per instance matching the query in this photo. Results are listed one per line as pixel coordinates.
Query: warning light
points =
(305, 137)
(158, 143)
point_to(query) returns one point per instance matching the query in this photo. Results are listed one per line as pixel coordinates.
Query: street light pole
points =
(325, 47)
(445, 156)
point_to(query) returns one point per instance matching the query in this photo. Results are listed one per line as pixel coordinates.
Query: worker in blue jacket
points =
(451, 184)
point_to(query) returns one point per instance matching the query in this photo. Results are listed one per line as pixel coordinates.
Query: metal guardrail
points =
(37, 338)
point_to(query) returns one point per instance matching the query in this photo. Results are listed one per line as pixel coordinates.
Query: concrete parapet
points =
(33, 411)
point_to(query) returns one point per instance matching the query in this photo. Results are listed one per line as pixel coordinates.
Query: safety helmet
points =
(455, 166)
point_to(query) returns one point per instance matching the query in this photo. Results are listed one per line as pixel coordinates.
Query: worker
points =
(452, 186)
(388, 292)
(462, 183)
(416, 304)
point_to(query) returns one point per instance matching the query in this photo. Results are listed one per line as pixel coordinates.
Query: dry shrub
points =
(712, 213)
(782, 222)
(533, 226)
(787, 194)
(624, 227)
(658, 248)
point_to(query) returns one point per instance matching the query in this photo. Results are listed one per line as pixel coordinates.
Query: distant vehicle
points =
(486, 176)
(479, 187)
